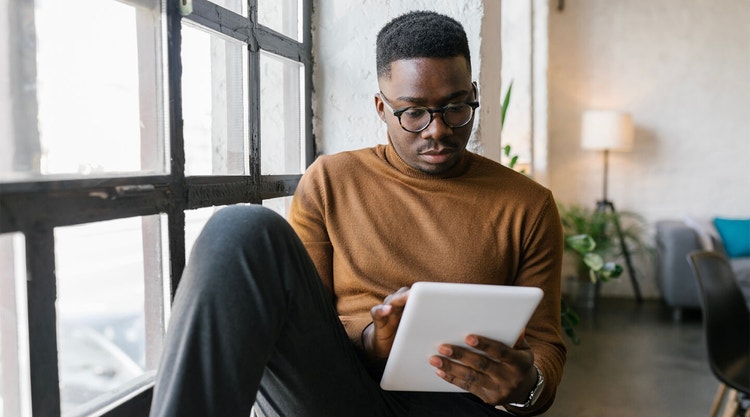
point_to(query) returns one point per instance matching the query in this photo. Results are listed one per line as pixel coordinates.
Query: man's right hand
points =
(378, 336)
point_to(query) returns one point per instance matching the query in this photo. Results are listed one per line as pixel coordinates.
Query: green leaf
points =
(506, 102)
(594, 261)
(581, 243)
(513, 161)
(569, 319)
(610, 270)
(506, 150)
(573, 336)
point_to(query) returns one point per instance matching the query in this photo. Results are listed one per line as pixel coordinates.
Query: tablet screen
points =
(438, 313)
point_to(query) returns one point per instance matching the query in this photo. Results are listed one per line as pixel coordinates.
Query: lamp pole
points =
(606, 175)
(606, 205)
(607, 130)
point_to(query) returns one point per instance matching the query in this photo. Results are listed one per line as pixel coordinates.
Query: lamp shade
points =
(606, 129)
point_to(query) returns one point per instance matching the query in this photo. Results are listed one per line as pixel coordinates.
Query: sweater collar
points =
(394, 159)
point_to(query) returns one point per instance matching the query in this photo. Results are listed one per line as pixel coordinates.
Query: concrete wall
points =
(682, 69)
(344, 77)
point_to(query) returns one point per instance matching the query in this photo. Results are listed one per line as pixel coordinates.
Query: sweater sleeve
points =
(307, 216)
(541, 266)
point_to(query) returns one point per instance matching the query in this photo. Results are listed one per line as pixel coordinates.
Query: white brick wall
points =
(344, 77)
(681, 68)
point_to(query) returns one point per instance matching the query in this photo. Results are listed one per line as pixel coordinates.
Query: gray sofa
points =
(675, 239)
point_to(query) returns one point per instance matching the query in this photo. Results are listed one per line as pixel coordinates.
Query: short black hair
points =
(420, 34)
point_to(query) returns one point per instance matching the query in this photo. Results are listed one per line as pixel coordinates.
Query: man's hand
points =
(378, 337)
(502, 375)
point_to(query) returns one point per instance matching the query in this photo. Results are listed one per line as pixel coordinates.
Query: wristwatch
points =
(534, 395)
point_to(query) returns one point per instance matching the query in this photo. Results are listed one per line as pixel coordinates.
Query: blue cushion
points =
(735, 234)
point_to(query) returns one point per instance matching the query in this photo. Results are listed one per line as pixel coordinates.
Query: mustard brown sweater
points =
(373, 224)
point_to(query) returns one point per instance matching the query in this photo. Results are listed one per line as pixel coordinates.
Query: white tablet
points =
(439, 313)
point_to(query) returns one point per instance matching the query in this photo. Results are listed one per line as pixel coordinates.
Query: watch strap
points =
(534, 395)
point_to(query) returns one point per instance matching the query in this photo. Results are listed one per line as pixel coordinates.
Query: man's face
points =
(432, 83)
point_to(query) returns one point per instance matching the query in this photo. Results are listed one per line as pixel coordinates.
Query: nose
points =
(437, 128)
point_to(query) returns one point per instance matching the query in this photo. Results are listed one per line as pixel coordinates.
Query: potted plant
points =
(593, 235)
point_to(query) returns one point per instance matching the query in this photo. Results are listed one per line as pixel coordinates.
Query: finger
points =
(477, 361)
(498, 350)
(470, 368)
(492, 385)
(382, 315)
(464, 377)
(386, 318)
(398, 298)
(390, 311)
(393, 305)
(490, 393)
(492, 348)
(378, 337)
(380, 311)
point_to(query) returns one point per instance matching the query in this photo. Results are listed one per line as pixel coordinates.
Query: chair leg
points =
(718, 399)
(743, 402)
(730, 407)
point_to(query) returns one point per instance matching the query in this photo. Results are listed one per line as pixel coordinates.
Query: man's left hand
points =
(501, 375)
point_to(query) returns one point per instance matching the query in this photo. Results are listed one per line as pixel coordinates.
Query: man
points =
(258, 311)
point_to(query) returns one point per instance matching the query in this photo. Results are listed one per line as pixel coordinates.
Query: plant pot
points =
(583, 293)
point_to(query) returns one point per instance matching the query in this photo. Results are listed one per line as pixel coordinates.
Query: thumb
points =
(380, 314)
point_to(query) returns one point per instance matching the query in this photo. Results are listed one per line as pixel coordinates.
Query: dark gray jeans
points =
(252, 318)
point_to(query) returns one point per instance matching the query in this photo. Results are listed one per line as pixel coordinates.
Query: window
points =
(131, 122)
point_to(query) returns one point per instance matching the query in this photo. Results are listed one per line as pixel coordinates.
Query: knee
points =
(239, 230)
(242, 222)
(247, 214)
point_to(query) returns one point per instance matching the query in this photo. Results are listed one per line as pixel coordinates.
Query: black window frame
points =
(35, 208)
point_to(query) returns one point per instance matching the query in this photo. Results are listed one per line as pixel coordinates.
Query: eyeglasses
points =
(415, 119)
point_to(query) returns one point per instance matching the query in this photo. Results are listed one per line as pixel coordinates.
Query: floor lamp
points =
(607, 130)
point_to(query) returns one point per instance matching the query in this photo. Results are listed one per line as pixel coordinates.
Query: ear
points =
(379, 107)
(476, 90)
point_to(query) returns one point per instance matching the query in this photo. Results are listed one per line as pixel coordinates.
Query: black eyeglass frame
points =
(398, 112)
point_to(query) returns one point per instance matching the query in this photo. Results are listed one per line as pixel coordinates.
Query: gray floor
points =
(636, 361)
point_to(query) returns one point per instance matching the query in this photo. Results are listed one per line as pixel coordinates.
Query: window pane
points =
(102, 270)
(194, 222)
(214, 104)
(237, 6)
(280, 205)
(15, 396)
(283, 16)
(196, 219)
(281, 114)
(98, 105)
